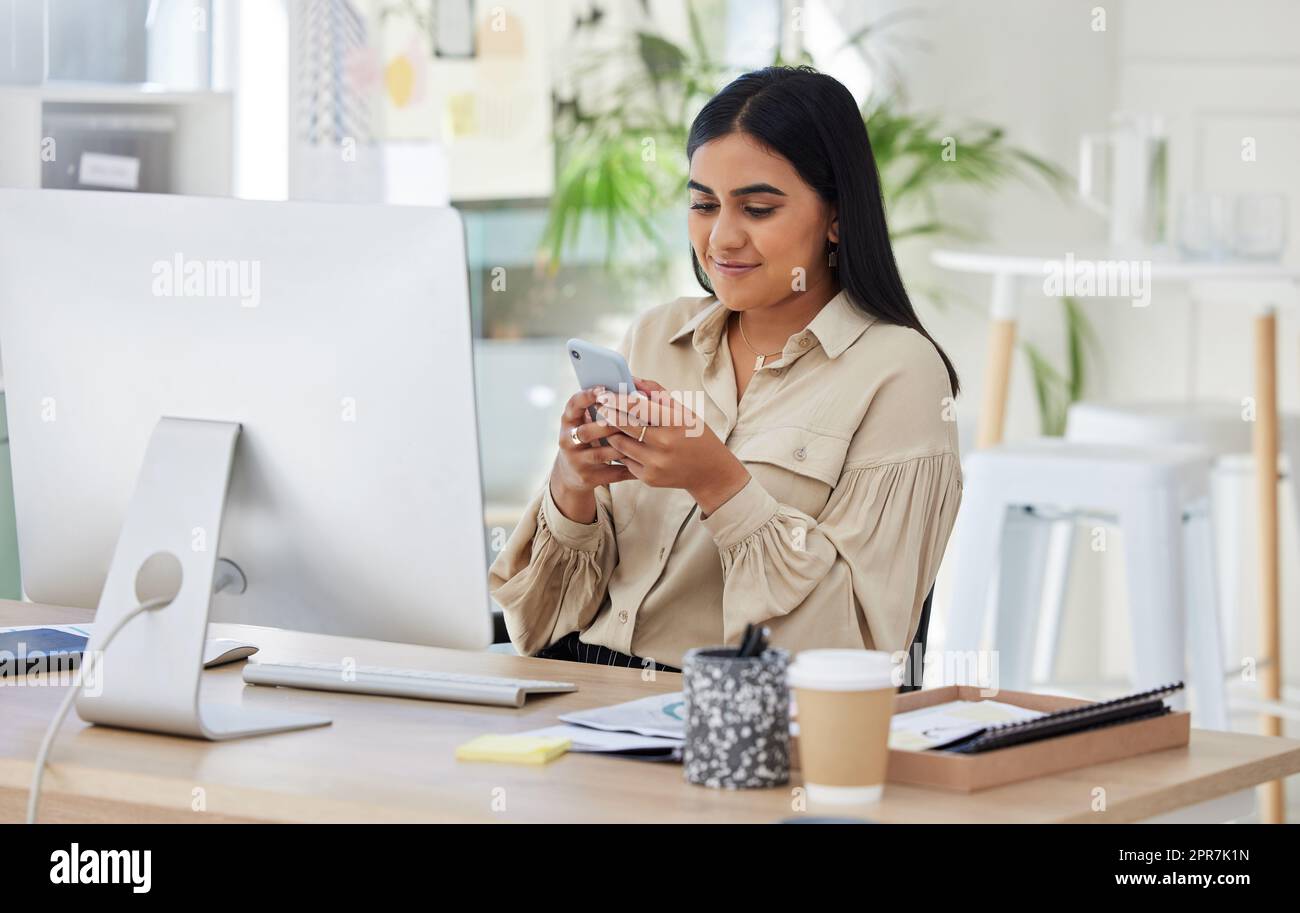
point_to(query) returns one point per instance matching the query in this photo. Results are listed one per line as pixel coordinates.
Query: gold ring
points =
(642, 437)
(573, 436)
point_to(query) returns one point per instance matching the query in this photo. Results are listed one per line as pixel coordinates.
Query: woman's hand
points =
(666, 445)
(583, 466)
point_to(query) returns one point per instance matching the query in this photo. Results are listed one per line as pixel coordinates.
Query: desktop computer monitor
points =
(337, 337)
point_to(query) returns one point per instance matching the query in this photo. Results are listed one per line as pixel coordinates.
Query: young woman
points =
(813, 479)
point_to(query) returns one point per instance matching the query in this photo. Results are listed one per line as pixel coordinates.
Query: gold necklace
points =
(758, 362)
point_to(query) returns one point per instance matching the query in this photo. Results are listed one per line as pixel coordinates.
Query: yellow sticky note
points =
(513, 749)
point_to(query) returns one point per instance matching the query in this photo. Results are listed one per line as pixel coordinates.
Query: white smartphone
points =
(596, 365)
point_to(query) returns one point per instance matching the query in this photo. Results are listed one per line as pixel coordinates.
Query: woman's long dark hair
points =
(811, 119)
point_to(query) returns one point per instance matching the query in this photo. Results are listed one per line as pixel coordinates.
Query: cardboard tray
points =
(971, 772)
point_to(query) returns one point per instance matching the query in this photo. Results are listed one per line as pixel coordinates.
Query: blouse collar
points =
(837, 325)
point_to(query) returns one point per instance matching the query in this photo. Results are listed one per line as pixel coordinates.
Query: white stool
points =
(1218, 428)
(1159, 497)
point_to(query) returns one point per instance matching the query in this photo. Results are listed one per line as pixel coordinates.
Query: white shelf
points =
(94, 93)
(202, 147)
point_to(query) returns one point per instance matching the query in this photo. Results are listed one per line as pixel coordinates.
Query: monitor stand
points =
(148, 678)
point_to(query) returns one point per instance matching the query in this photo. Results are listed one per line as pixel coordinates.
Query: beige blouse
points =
(851, 444)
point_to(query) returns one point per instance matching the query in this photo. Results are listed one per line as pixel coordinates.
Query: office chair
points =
(499, 633)
(912, 679)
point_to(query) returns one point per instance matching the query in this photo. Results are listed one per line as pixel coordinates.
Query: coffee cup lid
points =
(842, 670)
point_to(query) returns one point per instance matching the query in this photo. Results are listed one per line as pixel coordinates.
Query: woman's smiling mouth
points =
(732, 268)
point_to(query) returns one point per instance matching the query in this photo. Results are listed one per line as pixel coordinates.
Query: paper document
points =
(662, 715)
(929, 727)
(602, 741)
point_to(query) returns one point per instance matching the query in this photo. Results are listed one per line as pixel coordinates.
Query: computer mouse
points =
(218, 651)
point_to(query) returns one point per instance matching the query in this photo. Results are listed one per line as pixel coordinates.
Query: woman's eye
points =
(755, 211)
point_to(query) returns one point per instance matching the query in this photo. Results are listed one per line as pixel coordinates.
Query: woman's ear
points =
(833, 233)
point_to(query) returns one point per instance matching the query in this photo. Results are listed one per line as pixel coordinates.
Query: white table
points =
(1258, 288)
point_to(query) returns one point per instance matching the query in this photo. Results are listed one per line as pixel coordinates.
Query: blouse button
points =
(776, 372)
(622, 616)
(800, 453)
(803, 343)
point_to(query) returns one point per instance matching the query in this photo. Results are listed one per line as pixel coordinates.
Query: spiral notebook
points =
(1127, 709)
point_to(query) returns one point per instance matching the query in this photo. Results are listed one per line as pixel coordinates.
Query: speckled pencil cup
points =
(737, 718)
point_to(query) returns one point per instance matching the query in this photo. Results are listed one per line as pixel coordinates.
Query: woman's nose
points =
(727, 235)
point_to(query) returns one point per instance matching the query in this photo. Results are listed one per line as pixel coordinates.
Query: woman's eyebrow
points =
(739, 191)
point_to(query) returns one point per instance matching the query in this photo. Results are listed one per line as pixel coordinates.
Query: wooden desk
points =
(392, 759)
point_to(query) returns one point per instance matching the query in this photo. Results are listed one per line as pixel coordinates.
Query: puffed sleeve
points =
(552, 574)
(550, 578)
(877, 543)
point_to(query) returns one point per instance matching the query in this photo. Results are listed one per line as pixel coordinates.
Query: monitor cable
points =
(38, 772)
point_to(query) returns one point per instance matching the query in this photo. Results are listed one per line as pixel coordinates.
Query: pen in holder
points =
(737, 717)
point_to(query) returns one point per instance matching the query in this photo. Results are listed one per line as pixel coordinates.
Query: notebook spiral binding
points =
(1127, 709)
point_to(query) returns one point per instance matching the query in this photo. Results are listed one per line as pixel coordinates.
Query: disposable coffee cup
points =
(845, 700)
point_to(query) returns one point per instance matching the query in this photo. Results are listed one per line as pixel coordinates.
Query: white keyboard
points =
(418, 683)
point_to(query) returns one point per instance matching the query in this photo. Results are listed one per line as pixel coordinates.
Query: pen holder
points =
(737, 718)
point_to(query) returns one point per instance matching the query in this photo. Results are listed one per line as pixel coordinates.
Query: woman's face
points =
(758, 230)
